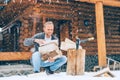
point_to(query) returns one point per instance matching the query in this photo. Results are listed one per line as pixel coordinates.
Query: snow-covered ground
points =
(63, 76)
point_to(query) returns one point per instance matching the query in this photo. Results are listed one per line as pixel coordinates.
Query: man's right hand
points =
(39, 41)
(50, 59)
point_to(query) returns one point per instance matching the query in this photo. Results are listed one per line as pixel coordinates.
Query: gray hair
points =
(48, 23)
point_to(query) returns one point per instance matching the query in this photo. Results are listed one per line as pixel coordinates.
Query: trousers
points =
(37, 62)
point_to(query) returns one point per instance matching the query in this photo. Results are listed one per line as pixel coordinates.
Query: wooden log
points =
(60, 2)
(80, 64)
(3, 4)
(56, 10)
(11, 56)
(71, 68)
(61, 7)
(105, 72)
(100, 34)
(55, 16)
(76, 62)
(114, 3)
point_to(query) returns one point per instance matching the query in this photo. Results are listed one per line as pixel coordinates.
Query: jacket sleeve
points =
(30, 41)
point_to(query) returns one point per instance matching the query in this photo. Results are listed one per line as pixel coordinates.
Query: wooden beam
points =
(34, 26)
(44, 19)
(3, 4)
(100, 34)
(11, 56)
(114, 3)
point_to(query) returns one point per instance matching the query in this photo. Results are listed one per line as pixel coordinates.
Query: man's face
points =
(48, 30)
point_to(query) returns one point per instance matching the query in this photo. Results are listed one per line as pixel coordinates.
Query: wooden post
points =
(12, 56)
(76, 62)
(100, 34)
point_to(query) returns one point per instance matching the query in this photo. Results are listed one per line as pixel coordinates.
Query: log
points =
(114, 3)
(71, 55)
(104, 72)
(56, 10)
(76, 62)
(56, 16)
(100, 34)
(60, 5)
(11, 56)
(80, 68)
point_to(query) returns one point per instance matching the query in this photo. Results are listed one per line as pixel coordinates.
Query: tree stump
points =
(71, 63)
(76, 62)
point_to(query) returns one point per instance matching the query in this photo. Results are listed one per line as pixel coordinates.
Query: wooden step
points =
(17, 67)
(11, 56)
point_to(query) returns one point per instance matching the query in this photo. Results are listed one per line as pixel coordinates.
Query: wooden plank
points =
(114, 3)
(104, 72)
(7, 56)
(64, 2)
(56, 10)
(3, 4)
(55, 16)
(100, 34)
(15, 67)
(56, 6)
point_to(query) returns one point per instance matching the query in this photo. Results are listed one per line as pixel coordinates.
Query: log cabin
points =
(20, 19)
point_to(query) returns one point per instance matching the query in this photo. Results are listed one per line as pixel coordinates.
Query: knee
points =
(64, 59)
(36, 54)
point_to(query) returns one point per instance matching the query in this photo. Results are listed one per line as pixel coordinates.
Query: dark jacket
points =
(30, 41)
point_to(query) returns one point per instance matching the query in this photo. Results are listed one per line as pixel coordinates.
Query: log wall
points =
(80, 14)
(82, 22)
(112, 31)
(44, 12)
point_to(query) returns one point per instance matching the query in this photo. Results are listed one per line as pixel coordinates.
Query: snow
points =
(62, 76)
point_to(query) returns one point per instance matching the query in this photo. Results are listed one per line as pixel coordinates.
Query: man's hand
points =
(39, 41)
(50, 59)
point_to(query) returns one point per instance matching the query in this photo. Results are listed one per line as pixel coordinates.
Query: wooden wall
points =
(112, 27)
(43, 12)
(86, 27)
(81, 18)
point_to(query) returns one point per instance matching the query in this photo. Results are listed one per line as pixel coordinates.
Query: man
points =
(38, 39)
